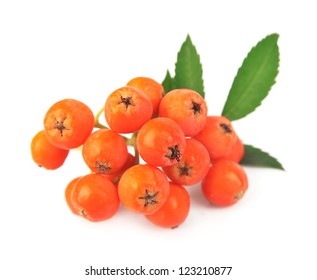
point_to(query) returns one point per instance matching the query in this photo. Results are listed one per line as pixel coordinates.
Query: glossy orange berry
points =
(143, 188)
(151, 88)
(68, 193)
(192, 167)
(161, 142)
(68, 123)
(187, 107)
(127, 109)
(95, 198)
(225, 183)
(237, 151)
(46, 154)
(218, 136)
(105, 151)
(175, 209)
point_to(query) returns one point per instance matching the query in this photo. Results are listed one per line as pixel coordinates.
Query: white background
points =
(51, 50)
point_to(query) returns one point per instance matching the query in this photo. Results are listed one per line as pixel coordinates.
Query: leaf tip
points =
(256, 157)
(273, 37)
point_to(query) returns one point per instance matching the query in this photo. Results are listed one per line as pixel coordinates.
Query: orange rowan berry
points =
(218, 136)
(143, 188)
(127, 109)
(68, 123)
(151, 88)
(68, 193)
(105, 151)
(46, 154)
(161, 142)
(237, 151)
(225, 183)
(174, 210)
(187, 107)
(95, 198)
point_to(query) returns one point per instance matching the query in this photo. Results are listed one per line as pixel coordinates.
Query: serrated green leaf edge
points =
(188, 69)
(256, 157)
(168, 82)
(254, 79)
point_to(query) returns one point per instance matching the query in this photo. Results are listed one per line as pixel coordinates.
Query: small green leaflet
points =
(188, 70)
(256, 157)
(254, 79)
(168, 83)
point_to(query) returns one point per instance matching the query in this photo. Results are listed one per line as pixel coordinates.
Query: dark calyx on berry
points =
(149, 198)
(196, 108)
(59, 125)
(127, 101)
(184, 170)
(174, 153)
(103, 167)
(226, 128)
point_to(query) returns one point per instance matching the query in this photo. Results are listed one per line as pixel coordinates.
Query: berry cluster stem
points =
(132, 142)
(97, 123)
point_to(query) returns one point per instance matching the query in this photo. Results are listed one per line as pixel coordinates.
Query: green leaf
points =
(254, 79)
(188, 69)
(256, 157)
(168, 83)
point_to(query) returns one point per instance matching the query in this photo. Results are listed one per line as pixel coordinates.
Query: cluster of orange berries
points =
(179, 143)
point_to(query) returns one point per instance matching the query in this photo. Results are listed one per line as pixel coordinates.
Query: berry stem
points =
(97, 123)
(132, 142)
